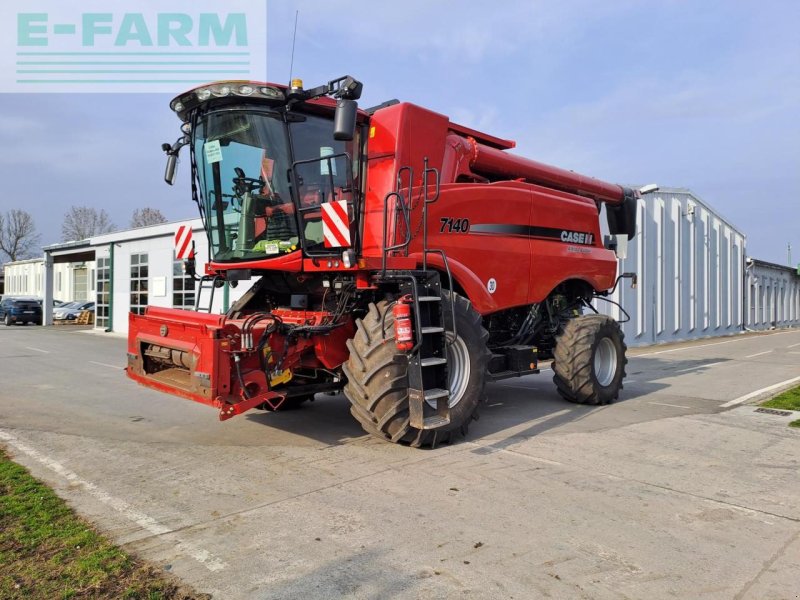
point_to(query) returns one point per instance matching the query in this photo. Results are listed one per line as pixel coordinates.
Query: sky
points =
(701, 95)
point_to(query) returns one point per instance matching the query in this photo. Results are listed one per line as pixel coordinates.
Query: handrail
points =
(399, 184)
(425, 201)
(406, 218)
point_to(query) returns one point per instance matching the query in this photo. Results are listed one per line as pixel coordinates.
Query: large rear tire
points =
(589, 360)
(377, 376)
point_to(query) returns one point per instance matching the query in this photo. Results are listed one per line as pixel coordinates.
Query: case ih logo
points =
(577, 237)
(130, 46)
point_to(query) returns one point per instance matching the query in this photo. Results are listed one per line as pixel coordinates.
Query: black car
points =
(20, 310)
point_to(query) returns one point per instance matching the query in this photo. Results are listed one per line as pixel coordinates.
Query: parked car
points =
(20, 311)
(71, 311)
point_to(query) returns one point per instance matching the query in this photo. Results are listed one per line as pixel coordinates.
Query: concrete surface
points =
(663, 494)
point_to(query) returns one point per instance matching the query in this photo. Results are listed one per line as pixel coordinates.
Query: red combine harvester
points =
(397, 256)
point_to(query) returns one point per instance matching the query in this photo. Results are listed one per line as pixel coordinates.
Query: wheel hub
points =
(605, 362)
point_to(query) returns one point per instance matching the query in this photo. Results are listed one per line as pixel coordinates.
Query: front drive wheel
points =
(377, 375)
(7, 321)
(589, 360)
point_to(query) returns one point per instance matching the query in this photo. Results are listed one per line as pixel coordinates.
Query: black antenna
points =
(294, 39)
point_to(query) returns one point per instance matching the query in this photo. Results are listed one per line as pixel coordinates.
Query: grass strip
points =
(788, 400)
(48, 552)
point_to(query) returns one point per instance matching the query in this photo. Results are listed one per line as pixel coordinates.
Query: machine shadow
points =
(327, 420)
(509, 404)
(534, 398)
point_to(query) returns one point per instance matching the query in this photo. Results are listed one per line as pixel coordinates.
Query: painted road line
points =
(758, 354)
(672, 405)
(751, 395)
(687, 348)
(106, 365)
(739, 339)
(793, 346)
(37, 349)
(706, 366)
(146, 522)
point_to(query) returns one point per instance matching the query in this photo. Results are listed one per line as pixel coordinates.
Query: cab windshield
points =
(263, 176)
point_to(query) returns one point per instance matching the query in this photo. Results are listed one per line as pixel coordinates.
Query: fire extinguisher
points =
(403, 333)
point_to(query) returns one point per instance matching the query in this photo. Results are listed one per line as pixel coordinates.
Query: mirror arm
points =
(175, 148)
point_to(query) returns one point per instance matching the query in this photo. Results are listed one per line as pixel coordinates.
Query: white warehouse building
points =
(135, 269)
(74, 281)
(690, 266)
(773, 296)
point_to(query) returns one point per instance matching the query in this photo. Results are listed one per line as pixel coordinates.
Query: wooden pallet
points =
(85, 318)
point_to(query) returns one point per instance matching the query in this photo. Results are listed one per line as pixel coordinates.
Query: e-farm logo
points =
(129, 45)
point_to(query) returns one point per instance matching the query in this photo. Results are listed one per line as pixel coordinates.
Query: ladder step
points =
(432, 361)
(435, 422)
(426, 330)
(430, 299)
(434, 393)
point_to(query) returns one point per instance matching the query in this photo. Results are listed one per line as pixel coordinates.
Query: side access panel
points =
(566, 243)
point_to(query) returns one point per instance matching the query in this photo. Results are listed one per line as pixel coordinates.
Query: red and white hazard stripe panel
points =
(183, 242)
(335, 224)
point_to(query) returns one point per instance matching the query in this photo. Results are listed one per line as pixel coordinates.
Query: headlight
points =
(187, 102)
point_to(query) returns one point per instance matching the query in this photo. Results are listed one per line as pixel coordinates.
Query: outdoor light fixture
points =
(648, 189)
(191, 100)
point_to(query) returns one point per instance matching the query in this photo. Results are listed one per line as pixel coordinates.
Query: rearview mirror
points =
(172, 157)
(172, 168)
(344, 120)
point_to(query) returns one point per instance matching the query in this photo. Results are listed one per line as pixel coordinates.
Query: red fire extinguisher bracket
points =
(403, 328)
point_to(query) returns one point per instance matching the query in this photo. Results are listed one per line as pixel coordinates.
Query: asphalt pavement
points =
(679, 489)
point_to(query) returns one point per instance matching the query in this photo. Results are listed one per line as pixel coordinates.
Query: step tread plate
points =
(432, 361)
(426, 330)
(434, 393)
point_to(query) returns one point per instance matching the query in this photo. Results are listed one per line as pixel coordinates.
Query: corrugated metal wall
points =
(690, 266)
(773, 296)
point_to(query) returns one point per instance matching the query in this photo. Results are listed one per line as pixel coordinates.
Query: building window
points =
(139, 278)
(103, 292)
(183, 287)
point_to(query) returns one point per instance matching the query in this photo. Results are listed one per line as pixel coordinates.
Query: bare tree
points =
(18, 235)
(142, 217)
(82, 222)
